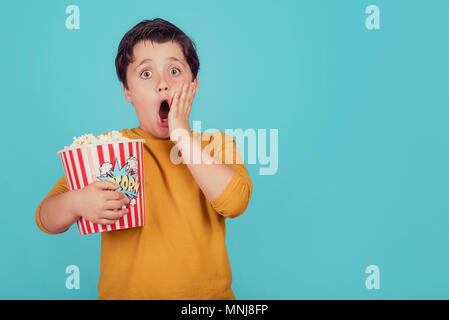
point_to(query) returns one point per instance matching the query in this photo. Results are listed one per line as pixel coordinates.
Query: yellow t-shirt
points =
(180, 253)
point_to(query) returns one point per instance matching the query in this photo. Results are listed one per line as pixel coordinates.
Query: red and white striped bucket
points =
(120, 162)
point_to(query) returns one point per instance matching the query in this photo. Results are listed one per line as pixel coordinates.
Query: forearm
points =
(57, 212)
(211, 175)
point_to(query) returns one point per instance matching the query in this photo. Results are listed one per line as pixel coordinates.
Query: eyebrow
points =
(148, 60)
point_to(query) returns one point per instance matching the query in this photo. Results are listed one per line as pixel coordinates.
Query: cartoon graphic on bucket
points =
(124, 177)
(120, 162)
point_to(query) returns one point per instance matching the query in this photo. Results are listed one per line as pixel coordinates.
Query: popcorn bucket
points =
(120, 162)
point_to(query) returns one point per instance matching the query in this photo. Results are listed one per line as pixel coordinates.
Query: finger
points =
(114, 195)
(107, 221)
(183, 98)
(114, 214)
(188, 98)
(116, 204)
(107, 185)
(190, 102)
(174, 104)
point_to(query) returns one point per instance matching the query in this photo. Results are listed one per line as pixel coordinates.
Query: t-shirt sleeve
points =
(59, 188)
(234, 200)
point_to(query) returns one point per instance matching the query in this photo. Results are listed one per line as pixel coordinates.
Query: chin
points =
(157, 131)
(165, 136)
(163, 133)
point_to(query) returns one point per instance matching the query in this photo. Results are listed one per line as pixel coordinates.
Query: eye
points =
(145, 74)
(174, 68)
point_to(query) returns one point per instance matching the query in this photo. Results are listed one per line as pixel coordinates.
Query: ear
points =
(196, 81)
(127, 93)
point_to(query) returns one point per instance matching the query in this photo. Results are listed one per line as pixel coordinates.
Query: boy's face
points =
(156, 72)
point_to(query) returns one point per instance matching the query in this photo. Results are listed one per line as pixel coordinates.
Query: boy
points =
(180, 253)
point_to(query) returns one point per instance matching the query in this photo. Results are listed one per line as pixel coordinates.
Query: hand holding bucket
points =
(118, 163)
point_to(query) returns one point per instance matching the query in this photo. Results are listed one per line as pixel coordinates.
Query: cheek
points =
(143, 95)
(143, 101)
(145, 114)
(180, 84)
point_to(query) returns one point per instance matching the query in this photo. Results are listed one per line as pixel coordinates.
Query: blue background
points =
(363, 149)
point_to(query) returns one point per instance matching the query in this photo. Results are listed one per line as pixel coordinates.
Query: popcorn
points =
(107, 157)
(105, 169)
(89, 138)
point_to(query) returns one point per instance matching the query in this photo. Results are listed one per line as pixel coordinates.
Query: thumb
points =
(108, 185)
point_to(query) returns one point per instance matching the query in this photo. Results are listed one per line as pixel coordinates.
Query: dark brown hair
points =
(159, 31)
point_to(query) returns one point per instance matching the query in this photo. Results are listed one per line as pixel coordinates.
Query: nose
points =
(163, 86)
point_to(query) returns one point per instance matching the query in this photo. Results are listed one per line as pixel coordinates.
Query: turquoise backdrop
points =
(361, 116)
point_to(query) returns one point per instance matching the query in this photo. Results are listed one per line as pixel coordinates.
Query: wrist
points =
(191, 150)
(179, 134)
(185, 146)
(183, 140)
(73, 203)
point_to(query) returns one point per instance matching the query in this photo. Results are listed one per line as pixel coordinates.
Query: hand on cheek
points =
(178, 117)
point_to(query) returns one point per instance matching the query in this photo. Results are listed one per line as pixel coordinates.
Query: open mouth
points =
(164, 109)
